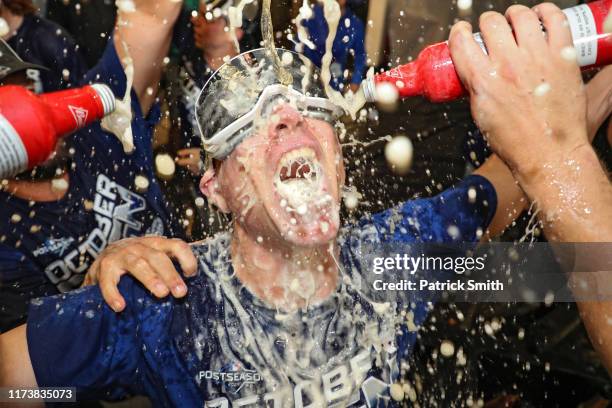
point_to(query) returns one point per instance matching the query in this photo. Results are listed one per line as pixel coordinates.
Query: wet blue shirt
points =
(222, 347)
(46, 247)
(349, 42)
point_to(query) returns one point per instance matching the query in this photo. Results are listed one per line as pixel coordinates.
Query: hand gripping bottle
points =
(30, 124)
(433, 74)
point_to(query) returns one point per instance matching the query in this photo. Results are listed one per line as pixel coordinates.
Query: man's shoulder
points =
(213, 254)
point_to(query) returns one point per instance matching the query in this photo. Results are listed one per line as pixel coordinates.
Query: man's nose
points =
(286, 118)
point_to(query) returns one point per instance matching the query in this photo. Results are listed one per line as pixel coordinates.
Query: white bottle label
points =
(584, 32)
(13, 155)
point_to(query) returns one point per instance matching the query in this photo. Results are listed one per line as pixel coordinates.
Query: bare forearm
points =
(511, 200)
(574, 196)
(596, 317)
(147, 33)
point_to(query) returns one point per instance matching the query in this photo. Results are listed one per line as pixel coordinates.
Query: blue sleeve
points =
(109, 71)
(455, 215)
(77, 340)
(360, 58)
(20, 280)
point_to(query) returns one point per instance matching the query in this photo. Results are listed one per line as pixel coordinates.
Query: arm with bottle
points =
(542, 136)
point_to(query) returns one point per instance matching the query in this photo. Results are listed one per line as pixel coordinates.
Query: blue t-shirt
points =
(46, 247)
(43, 42)
(221, 346)
(349, 42)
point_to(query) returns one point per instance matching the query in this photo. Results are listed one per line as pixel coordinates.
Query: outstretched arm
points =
(147, 33)
(534, 112)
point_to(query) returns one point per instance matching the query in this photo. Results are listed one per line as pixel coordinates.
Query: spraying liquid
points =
(267, 31)
(4, 27)
(352, 103)
(119, 123)
(234, 15)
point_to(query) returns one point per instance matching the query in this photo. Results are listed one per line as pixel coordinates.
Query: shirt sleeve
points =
(459, 214)
(105, 148)
(76, 340)
(20, 280)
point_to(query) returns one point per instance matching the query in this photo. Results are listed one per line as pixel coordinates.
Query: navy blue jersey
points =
(43, 42)
(221, 346)
(46, 247)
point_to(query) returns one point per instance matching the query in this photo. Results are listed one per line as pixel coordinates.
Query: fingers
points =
(497, 34)
(109, 280)
(168, 279)
(527, 28)
(179, 250)
(556, 25)
(185, 161)
(467, 55)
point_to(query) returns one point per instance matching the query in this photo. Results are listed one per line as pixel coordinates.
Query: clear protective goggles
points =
(222, 143)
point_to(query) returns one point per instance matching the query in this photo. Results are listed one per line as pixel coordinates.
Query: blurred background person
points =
(90, 22)
(43, 42)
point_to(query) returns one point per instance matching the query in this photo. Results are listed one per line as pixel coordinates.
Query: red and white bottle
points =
(433, 74)
(30, 124)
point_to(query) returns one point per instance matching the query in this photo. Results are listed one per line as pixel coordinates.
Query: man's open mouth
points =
(299, 181)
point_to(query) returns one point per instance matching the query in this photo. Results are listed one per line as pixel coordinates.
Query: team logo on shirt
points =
(118, 213)
(56, 246)
(234, 376)
(79, 115)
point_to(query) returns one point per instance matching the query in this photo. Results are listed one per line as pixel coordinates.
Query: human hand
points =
(148, 259)
(527, 94)
(190, 159)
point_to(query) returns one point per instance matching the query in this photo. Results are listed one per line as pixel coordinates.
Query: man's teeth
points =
(305, 153)
(297, 164)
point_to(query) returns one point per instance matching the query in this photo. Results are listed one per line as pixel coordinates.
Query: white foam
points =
(542, 89)
(4, 27)
(399, 152)
(164, 165)
(569, 53)
(447, 348)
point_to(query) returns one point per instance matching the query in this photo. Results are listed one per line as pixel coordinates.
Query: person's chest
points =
(341, 355)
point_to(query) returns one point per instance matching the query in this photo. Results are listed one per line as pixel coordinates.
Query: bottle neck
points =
(405, 78)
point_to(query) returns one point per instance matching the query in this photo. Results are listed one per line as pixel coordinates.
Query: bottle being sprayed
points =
(30, 124)
(433, 74)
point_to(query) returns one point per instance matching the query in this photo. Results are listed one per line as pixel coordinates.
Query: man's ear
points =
(209, 186)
